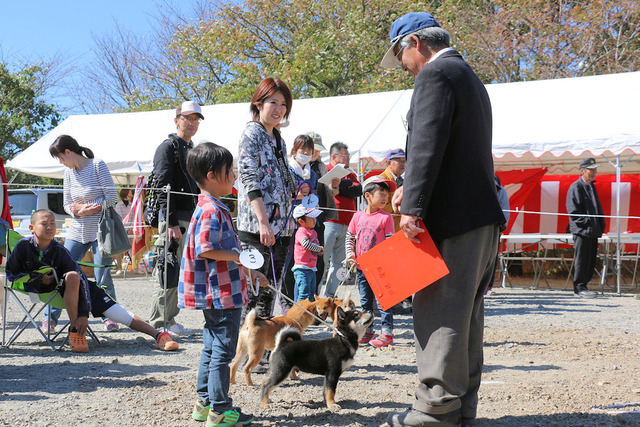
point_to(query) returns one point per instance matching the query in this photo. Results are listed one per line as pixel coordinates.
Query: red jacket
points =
(350, 190)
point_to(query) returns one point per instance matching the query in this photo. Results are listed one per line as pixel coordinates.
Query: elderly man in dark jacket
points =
(170, 167)
(449, 185)
(582, 199)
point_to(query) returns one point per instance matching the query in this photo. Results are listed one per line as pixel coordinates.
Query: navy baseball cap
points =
(405, 25)
(589, 163)
(396, 153)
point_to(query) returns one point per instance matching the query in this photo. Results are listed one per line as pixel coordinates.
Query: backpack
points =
(151, 205)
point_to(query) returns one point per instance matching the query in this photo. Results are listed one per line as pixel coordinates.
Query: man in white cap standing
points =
(448, 185)
(170, 167)
(582, 200)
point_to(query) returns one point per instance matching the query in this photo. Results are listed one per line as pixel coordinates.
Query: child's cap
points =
(301, 211)
(378, 178)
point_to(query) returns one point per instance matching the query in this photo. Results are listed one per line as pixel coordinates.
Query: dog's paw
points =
(334, 407)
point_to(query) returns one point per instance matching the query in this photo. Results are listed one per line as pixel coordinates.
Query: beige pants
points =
(159, 301)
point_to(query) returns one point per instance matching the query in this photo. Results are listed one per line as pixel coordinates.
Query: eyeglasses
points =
(194, 121)
(396, 58)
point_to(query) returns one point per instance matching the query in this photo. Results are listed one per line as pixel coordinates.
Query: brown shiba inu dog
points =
(258, 334)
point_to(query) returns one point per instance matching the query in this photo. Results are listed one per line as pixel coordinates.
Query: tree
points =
(517, 40)
(24, 115)
(327, 48)
(319, 47)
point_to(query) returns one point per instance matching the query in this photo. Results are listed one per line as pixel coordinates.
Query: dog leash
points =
(273, 269)
(324, 322)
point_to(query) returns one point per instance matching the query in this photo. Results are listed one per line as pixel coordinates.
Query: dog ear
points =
(340, 313)
(346, 301)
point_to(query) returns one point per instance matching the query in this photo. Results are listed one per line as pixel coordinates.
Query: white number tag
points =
(310, 201)
(342, 274)
(251, 258)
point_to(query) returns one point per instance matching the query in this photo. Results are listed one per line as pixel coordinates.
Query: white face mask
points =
(303, 159)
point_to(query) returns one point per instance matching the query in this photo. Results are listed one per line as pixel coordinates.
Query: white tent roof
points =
(540, 123)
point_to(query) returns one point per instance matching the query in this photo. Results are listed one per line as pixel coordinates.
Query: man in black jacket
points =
(449, 185)
(170, 167)
(582, 199)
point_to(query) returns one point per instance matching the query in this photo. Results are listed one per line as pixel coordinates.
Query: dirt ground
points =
(550, 360)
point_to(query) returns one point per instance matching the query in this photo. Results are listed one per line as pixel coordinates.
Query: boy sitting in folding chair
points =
(45, 261)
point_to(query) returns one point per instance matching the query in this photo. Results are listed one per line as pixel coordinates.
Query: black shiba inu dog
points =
(329, 357)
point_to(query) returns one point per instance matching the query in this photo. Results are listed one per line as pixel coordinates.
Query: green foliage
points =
(319, 47)
(24, 115)
(28, 181)
(328, 48)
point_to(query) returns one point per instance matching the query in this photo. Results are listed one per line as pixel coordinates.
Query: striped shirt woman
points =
(87, 185)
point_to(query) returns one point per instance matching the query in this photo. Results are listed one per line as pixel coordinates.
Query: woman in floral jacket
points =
(265, 188)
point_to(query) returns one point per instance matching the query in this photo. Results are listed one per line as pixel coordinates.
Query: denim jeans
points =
(305, 284)
(220, 337)
(334, 241)
(367, 299)
(102, 275)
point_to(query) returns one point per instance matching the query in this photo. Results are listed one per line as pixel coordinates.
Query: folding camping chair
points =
(48, 300)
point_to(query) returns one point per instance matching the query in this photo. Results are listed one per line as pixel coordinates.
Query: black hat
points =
(589, 163)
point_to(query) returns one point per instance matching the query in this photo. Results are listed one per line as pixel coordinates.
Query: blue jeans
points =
(220, 337)
(305, 284)
(334, 249)
(102, 275)
(367, 298)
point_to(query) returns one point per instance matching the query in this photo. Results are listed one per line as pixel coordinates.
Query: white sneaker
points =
(177, 329)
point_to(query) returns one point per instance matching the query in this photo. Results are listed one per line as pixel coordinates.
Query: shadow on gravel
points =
(543, 303)
(345, 417)
(524, 368)
(513, 344)
(564, 420)
(27, 382)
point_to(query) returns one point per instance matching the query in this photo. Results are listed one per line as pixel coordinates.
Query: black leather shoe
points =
(414, 418)
(585, 293)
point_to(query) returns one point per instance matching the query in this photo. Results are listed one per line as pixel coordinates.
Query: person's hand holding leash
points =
(174, 233)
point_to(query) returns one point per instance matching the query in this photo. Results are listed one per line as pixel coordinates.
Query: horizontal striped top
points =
(92, 184)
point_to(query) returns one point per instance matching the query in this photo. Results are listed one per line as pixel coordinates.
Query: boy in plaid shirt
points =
(212, 280)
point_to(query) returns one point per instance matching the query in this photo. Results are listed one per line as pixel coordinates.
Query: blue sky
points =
(40, 29)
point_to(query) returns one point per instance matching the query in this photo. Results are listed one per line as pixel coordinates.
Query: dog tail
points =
(288, 333)
(250, 319)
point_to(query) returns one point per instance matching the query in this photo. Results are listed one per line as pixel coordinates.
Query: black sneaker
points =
(583, 292)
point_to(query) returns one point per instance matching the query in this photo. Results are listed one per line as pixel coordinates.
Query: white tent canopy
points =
(540, 123)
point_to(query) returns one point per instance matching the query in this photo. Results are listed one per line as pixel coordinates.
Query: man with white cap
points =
(449, 185)
(582, 199)
(170, 167)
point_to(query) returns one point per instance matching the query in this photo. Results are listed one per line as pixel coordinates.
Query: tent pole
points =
(166, 263)
(618, 262)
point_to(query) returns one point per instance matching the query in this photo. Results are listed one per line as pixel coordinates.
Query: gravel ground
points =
(550, 360)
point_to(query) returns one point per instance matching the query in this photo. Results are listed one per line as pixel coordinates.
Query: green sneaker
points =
(200, 412)
(229, 418)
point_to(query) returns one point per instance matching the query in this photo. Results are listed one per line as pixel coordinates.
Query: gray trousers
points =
(448, 321)
(158, 300)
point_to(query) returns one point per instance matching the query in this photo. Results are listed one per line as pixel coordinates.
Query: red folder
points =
(398, 268)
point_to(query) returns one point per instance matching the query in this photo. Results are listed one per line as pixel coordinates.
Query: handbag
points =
(112, 236)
